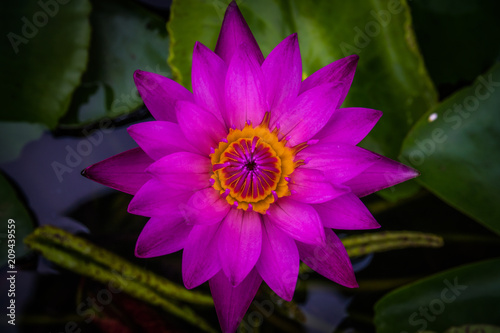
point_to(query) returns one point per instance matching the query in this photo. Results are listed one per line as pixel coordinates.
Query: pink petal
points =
(159, 138)
(231, 303)
(200, 127)
(244, 90)
(338, 161)
(161, 236)
(157, 199)
(382, 174)
(282, 71)
(200, 260)
(298, 220)
(310, 112)
(124, 172)
(341, 70)
(311, 186)
(235, 31)
(329, 259)
(279, 261)
(349, 125)
(183, 170)
(208, 75)
(240, 243)
(160, 94)
(206, 207)
(346, 212)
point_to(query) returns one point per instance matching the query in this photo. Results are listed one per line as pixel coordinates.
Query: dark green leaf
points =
(455, 146)
(16, 222)
(43, 56)
(125, 37)
(459, 39)
(464, 295)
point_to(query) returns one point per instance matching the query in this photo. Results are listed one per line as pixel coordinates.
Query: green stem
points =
(81, 256)
(385, 241)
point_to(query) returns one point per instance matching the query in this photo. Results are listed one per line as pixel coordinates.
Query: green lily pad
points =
(16, 224)
(455, 147)
(461, 296)
(43, 57)
(391, 75)
(125, 37)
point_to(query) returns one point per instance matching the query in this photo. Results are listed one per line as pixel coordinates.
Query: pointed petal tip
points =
(368, 224)
(234, 282)
(414, 173)
(231, 303)
(351, 284)
(136, 253)
(287, 297)
(84, 172)
(131, 131)
(134, 208)
(232, 9)
(318, 241)
(200, 50)
(321, 238)
(235, 30)
(285, 294)
(131, 209)
(161, 236)
(352, 63)
(353, 57)
(138, 75)
(408, 172)
(139, 253)
(188, 283)
(150, 169)
(377, 115)
(146, 80)
(89, 173)
(198, 45)
(291, 40)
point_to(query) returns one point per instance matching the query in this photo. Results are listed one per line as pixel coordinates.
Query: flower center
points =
(251, 167)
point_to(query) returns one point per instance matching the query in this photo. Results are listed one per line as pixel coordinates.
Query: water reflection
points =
(48, 173)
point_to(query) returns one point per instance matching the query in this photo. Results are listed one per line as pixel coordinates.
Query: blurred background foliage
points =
(68, 96)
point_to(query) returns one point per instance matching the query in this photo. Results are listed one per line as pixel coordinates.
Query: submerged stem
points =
(81, 256)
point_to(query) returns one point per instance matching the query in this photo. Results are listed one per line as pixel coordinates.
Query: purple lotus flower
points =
(250, 172)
